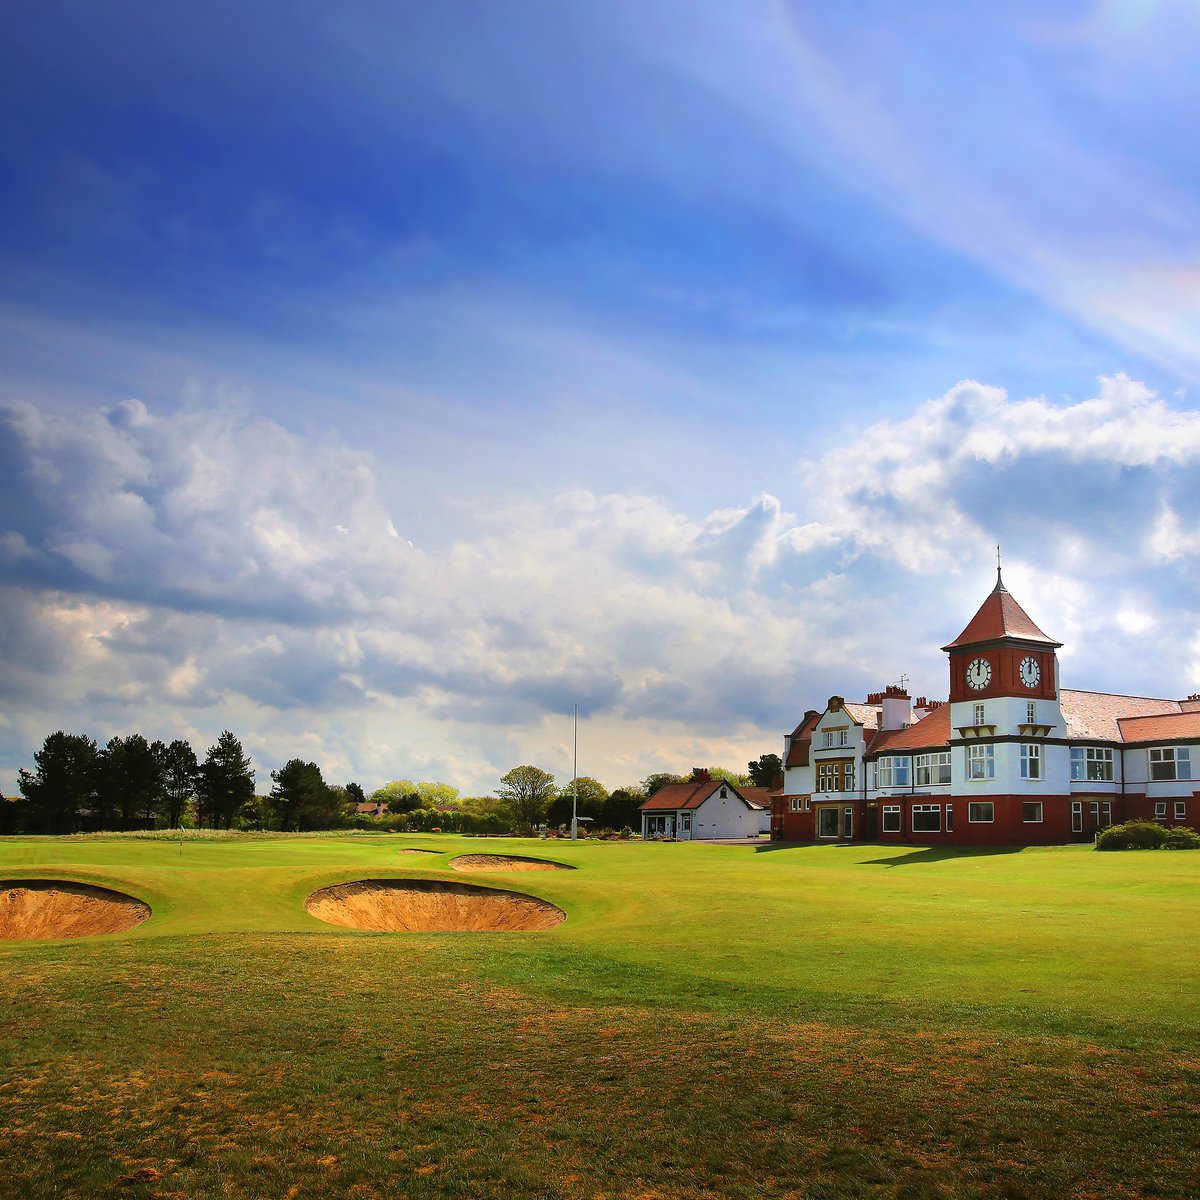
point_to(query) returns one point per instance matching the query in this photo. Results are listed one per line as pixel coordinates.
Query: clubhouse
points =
(1011, 758)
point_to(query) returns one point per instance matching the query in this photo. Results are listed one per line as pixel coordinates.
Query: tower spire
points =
(999, 581)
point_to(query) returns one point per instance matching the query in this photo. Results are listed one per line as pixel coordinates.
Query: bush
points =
(1179, 837)
(1147, 835)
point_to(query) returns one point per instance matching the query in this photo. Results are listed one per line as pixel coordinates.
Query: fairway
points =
(817, 1022)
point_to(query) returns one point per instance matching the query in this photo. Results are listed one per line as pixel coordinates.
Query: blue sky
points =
(380, 380)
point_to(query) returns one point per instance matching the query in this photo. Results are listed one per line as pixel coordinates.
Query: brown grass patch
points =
(43, 909)
(430, 906)
(505, 862)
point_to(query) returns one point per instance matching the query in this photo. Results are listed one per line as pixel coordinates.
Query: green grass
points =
(710, 1021)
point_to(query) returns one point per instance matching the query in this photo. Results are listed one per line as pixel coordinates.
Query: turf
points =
(710, 1021)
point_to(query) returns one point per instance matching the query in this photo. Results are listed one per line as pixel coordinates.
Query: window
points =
(892, 771)
(926, 818)
(1031, 761)
(981, 762)
(1171, 762)
(1094, 763)
(1077, 816)
(891, 818)
(1031, 812)
(827, 822)
(981, 812)
(656, 826)
(1031, 713)
(685, 821)
(837, 737)
(825, 776)
(828, 738)
(848, 828)
(724, 793)
(933, 768)
(798, 803)
(949, 818)
(1160, 810)
(1181, 810)
(1107, 807)
(979, 714)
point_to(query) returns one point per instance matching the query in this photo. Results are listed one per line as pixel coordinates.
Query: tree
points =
(526, 791)
(63, 786)
(622, 807)
(591, 797)
(355, 794)
(767, 771)
(399, 796)
(131, 781)
(722, 773)
(181, 774)
(660, 779)
(226, 781)
(301, 799)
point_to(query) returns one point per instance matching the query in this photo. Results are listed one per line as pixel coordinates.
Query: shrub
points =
(1179, 837)
(1147, 835)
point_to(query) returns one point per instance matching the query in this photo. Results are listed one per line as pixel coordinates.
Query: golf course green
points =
(707, 1021)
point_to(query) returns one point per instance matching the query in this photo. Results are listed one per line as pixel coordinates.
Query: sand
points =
(428, 906)
(505, 862)
(42, 909)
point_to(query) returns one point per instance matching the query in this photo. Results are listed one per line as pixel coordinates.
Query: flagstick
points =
(575, 779)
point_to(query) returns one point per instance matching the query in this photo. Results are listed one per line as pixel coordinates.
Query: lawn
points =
(727, 1021)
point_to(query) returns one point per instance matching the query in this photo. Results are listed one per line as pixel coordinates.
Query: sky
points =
(381, 381)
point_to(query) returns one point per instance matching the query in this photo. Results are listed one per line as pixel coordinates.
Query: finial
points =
(999, 581)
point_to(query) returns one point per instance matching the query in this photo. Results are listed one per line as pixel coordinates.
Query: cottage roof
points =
(1000, 617)
(675, 796)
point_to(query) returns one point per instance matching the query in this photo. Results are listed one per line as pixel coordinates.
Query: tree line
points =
(130, 783)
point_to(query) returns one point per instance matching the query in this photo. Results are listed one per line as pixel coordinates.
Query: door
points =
(871, 825)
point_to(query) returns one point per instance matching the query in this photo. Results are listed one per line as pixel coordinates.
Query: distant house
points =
(369, 808)
(705, 809)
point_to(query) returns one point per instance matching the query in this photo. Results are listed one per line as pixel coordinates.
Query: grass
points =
(804, 1022)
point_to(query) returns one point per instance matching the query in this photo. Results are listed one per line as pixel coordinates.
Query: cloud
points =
(188, 570)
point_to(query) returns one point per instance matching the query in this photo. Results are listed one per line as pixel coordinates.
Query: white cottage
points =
(705, 809)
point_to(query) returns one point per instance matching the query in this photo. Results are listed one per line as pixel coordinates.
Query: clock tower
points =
(1004, 703)
(1002, 653)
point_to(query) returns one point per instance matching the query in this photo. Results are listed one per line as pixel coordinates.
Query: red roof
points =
(931, 732)
(801, 743)
(692, 794)
(1095, 716)
(1164, 727)
(1000, 616)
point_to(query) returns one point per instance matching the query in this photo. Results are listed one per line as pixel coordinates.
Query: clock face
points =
(1029, 671)
(979, 674)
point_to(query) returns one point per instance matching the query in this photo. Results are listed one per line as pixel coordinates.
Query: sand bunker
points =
(505, 862)
(42, 909)
(415, 850)
(430, 906)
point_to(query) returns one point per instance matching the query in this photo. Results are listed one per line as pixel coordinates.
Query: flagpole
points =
(575, 778)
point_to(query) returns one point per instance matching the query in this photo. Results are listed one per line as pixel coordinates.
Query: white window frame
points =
(1093, 764)
(983, 757)
(1031, 712)
(848, 823)
(1027, 820)
(685, 821)
(891, 812)
(1031, 760)
(1181, 810)
(1160, 810)
(1076, 816)
(1178, 757)
(925, 810)
(893, 770)
(979, 715)
(978, 806)
(927, 766)
(949, 818)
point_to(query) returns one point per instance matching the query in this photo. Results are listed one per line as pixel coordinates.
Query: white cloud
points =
(222, 593)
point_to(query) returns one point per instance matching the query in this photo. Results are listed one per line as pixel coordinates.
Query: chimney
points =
(897, 707)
